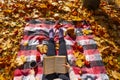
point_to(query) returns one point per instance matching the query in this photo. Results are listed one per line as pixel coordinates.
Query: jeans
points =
(52, 52)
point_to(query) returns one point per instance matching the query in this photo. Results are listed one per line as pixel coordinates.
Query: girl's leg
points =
(51, 44)
(63, 52)
(51, 48)
(62, 48)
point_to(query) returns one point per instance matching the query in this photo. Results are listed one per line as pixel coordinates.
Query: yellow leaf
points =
(86, 32)
(8, 11)
(79, 63)
(20, 60)
(42, 48)
(45, 48)
(76, 18)
(69, 4)
(57, 46)
(81, 56)
(110, 58)
(111, 62)
(116, 75)
(43, 6)
(2, 77)
(76, 53)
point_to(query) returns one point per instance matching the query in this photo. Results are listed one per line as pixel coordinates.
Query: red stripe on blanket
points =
(37, 25)
(33, 37)
(84, 37)
(98, 69)
(20, 72)
(28, 52)
(91, 51)
(94, 70)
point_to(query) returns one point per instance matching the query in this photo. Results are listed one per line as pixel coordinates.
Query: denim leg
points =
(51, 48)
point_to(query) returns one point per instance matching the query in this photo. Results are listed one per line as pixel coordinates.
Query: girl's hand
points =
(67, 66)
(32, 72)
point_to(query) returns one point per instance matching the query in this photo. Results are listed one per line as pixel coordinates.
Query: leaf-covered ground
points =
(105, 23)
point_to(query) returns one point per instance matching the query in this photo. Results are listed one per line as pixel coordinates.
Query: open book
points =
(54, 64)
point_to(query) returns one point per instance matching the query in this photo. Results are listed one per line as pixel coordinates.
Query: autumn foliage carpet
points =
(105, 23)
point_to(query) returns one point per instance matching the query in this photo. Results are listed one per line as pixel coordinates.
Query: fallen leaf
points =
(79, 63)
(86, 32)
(116, 75)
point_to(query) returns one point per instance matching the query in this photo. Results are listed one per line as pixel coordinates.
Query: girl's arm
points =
(71, 72)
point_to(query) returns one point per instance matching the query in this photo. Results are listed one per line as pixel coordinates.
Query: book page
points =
(48, 65)
(59, 61)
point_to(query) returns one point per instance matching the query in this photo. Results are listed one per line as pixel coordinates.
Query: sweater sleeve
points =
(72, 74)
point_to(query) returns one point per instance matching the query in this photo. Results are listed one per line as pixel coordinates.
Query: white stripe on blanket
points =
(101, 76)
(86, 42)
(94, 57)
(35, 28)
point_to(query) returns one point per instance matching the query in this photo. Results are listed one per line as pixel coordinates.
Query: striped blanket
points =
(35, 29)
